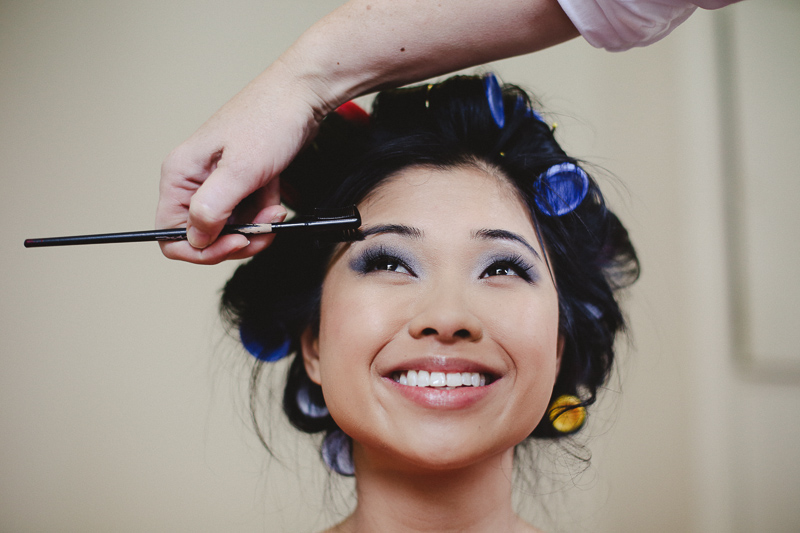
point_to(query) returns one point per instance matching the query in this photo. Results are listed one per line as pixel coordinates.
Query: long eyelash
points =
(518, 264)
(370, 258)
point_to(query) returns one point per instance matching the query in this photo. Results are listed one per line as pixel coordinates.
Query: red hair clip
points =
(353, 112)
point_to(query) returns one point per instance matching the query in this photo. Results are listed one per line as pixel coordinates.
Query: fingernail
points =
(197, 238)
(239, 246)
(279, 217)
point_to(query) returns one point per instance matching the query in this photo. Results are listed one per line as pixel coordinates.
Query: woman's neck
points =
(474, 499)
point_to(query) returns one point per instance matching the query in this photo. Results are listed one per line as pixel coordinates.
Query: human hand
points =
(227, 171)
(229, 167)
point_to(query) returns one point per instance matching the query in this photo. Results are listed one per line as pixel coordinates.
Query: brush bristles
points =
(347, 235)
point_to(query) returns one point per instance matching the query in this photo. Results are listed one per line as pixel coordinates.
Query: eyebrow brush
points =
(339, 224)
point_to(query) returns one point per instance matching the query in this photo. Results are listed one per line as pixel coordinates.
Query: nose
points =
(445, 316)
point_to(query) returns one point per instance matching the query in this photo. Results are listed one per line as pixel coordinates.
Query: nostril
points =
(448, 331)
(462, 334)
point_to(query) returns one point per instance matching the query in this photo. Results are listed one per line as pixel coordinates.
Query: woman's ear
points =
(309, 345)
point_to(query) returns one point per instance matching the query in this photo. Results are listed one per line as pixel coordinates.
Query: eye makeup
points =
(497, 260)
(500, 264)
(382, 257)
(386, 257)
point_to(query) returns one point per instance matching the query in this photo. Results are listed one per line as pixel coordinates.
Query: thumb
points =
(214, 201)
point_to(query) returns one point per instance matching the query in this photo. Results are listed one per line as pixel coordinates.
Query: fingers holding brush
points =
(227, 171)
(204, 186)
(226, 247)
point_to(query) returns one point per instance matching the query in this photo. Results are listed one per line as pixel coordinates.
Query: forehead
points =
(475, 195)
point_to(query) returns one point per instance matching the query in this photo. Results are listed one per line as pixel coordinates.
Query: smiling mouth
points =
(441, 380)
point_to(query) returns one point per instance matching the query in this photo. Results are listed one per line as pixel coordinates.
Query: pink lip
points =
(435, 398)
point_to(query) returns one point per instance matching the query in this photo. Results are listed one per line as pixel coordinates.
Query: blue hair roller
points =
(494, 95)
(275, 349)
(561, 189)
(529, 111)
(337, 452)
(307, 405)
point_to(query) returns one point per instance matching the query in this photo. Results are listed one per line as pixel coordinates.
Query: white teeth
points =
(448, 380)
(453, 380)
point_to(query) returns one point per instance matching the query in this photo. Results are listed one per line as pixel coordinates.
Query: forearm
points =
(366, 45)
(362, 46)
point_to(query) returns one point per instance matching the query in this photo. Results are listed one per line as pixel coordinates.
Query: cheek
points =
(355, 323)
(359, 315)
(523, 318)
(527, 330)
(352, 319)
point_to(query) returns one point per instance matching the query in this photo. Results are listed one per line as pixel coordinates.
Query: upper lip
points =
(441, 363)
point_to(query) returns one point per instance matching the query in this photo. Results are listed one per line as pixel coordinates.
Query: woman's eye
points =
(390, 265)
(386, 263)
(380, 259)
(499, 270)
(507, 268)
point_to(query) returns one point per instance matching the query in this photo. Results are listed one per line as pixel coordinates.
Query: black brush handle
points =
(342, 224)
(130, 236)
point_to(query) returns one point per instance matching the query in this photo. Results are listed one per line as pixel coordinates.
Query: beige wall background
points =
(122, 402)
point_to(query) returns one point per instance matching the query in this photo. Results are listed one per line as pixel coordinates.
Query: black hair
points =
(276, 295)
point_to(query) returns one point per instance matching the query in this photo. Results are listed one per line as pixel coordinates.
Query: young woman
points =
(474, 311)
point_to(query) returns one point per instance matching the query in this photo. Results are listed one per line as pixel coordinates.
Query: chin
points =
(427, 455)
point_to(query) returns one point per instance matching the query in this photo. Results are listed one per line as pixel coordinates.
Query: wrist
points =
(313, 67)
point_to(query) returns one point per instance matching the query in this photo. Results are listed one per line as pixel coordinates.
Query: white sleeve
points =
(618, 25)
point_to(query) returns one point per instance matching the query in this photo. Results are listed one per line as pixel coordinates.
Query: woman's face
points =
(449, 286)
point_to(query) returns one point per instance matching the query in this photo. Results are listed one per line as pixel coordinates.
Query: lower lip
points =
(436, 398)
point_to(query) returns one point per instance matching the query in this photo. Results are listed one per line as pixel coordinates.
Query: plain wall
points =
(122, 402)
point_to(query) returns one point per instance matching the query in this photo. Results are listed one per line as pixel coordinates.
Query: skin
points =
(363, 46)
(435, 460)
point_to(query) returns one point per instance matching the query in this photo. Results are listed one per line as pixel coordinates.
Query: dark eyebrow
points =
(397, 229)
(505, 235)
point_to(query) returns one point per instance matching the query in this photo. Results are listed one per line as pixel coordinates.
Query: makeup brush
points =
(335, 225)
